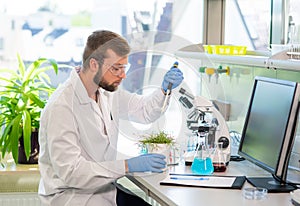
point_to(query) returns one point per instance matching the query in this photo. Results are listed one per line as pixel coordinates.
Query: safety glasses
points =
(118, 69)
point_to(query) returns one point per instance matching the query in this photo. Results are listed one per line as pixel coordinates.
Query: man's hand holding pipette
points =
(172, 79)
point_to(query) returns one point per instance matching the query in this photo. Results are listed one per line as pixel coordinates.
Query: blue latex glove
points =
(173, 76)
(147, 162)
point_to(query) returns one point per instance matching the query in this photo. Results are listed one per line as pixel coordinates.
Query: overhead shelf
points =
(248, 60)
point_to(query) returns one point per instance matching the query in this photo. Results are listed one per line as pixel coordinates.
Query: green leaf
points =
(36, 100)
(4, 99)
(21, 65)
(54, 65)
(4, 137)
(32, 68)
(158, 138)
(27, 133)
(11, 82)
(15, 135)
(35, 68)
(45, 79)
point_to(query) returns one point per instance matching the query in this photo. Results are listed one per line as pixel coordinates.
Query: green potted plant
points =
(157, 138)
(23, 93)
(159, 142)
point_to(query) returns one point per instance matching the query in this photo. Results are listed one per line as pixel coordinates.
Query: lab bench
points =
(186, 196)
(19, 187)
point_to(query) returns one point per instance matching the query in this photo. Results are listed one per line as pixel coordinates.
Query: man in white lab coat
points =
(79, 127)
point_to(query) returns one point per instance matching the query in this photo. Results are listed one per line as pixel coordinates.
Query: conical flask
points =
(202, 163)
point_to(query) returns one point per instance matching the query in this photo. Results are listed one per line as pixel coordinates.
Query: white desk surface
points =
(189, 196)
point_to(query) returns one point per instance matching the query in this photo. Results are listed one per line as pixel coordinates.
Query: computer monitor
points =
(269, 130)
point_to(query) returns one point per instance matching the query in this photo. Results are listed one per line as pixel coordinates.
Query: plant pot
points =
(159, 148)
(171, 152)
(35, 149)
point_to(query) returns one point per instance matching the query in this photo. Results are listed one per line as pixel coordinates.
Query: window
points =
(247, 22)
(293, 22)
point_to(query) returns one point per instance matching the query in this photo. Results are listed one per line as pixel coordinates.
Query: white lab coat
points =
(78, 142)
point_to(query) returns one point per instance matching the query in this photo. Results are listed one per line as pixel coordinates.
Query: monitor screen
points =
(269, 128)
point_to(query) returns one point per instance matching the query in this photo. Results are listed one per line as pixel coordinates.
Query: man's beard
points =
(106, 86)
(102, 83)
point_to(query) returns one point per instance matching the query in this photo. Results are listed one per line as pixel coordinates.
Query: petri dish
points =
(255, 193)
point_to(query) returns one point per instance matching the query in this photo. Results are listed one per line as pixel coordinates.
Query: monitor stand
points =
(270, 184)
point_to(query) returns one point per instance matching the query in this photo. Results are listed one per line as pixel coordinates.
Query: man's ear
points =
(94, 65)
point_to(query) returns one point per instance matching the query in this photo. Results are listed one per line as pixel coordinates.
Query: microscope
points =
(206, 122)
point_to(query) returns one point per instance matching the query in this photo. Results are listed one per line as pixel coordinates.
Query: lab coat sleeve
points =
(140, 108)
(68, 163)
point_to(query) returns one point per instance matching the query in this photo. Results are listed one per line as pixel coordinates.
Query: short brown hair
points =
(100, 41)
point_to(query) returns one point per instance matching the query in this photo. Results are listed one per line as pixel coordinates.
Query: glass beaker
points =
(202, 163)
(174, 155)
(219, 162)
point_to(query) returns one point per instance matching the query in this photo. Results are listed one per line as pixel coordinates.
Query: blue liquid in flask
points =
(202, 166)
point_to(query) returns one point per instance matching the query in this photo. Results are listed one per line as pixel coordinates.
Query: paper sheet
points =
(201, 181)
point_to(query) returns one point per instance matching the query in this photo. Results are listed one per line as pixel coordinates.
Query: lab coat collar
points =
(105, 92)
(79, 88)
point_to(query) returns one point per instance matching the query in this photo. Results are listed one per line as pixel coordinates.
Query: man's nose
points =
(123, 74)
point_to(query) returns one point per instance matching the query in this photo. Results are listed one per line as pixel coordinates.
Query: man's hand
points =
(147, 162)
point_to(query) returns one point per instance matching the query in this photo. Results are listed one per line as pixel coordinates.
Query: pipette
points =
(168, 92)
